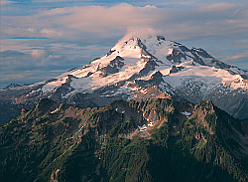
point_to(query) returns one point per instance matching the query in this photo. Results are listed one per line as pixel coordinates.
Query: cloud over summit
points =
(92, 29)
(104, 21)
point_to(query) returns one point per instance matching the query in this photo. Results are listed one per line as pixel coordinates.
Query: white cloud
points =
(241, 55)
(37, 53)
(220, 19)
(6, 2)
(66, 32)
(217, 7)
(50, 33)
(52, 1)
(141, 32)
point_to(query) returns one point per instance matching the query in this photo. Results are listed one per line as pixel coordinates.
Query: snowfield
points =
(132, 65)
(134, 61)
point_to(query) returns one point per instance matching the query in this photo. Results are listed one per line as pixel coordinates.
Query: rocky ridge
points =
(139, 141)
(135, 69)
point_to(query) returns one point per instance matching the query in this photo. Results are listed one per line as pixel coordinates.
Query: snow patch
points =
(78, 130)
(142, 127)
(54, 111)
(170, 50)
(79, 85)
(150, 124)
(186, 113)
(51, 87)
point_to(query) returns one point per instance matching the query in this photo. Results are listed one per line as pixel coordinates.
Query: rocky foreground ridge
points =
(150, 140)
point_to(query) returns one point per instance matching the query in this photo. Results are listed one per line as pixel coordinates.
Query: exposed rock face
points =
(175, 69)
(114, 66)
(12, 85)
(94, 143)
(133, 66)
(157, 78)
(176, 57)
(110, 52)
(150, 66)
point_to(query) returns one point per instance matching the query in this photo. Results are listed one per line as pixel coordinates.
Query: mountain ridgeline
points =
(152, 140)
(137, 69)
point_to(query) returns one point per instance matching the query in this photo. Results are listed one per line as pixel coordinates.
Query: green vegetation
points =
(126, 160)
(75, 144)
(122, 127)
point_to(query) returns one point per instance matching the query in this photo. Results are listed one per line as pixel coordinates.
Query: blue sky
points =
(41, 39)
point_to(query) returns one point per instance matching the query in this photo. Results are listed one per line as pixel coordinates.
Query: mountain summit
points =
(137, 69)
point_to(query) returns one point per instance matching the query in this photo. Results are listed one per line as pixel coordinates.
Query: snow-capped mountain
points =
(146, 68)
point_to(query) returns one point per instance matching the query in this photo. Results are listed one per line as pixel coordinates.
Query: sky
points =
(41, 39)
